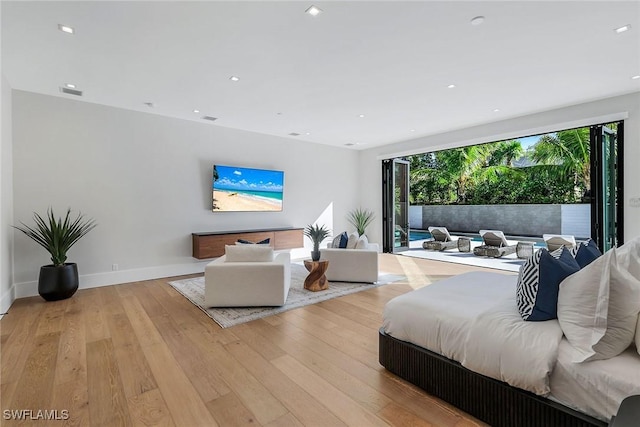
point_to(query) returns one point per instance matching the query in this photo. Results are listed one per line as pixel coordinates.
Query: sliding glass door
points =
(395, 205)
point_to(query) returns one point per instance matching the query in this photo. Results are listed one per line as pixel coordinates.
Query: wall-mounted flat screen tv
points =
(237, 189)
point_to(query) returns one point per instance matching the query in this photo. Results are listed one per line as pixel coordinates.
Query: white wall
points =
(573, 116)
(146, 179)
(6, 199)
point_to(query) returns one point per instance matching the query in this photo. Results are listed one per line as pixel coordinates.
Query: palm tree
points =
(570, 152)
(505, 152)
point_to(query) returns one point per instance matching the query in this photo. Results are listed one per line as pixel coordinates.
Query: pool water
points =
(423, 235)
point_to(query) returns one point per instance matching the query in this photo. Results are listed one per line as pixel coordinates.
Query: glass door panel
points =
(401, 204)
(606, 185)
(395, 205)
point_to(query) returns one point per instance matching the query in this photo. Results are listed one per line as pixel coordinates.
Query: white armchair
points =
(352, 265)
(247, 283)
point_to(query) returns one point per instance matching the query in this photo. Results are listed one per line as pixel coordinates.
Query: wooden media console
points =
(211, 245)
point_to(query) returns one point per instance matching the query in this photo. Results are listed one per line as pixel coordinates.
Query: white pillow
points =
(248, 253)
(598, 308)
(362, 242)
(353, 240)
(629, 257)
(638, 335)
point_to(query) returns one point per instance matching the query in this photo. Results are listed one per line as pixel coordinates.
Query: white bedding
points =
(473, 319)
(574, 384)
(437, 317)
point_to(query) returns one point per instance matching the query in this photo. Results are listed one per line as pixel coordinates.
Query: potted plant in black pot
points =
(59, 280)
(316, 234)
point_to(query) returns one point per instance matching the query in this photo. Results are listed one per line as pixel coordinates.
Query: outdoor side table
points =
(524, 250)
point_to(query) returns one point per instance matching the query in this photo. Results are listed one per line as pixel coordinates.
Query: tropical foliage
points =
(554, 170)
(360, 219)
(57, 236)
(316, 233)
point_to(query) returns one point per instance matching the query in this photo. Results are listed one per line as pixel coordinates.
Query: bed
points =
(464, 341)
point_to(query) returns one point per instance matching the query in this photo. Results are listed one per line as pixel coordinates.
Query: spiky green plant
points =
(316, 234)
(57, 235)
(360, 219)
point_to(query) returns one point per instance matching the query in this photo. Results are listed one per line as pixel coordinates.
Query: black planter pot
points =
(315, 255)
(57, 283)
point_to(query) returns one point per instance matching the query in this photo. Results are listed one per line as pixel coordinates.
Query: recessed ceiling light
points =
(496, 110)
(361, 116)
(477, 20)
(234, 78)
(623, 29)
(451, 86)
(635, 77)
(70, 85)
(66, 29)
(308, 133)
(412, 130)
(313, 10)
(196, 111)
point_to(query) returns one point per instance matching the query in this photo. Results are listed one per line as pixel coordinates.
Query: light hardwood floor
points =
(140, 354)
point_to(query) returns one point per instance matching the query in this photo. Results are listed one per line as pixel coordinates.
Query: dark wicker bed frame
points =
(487, 399)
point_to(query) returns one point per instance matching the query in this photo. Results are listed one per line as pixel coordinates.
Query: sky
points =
(236, 178)
(528, 141)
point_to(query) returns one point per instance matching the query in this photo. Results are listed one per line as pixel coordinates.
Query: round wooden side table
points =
(316, 280)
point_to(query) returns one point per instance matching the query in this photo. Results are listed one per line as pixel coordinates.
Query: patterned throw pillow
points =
(586, 252)
(340, 241)
(539, 280)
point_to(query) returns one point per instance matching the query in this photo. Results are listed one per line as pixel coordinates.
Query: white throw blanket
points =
(473, 319)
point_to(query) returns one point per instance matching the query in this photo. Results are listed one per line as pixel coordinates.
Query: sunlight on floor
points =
(415, 277)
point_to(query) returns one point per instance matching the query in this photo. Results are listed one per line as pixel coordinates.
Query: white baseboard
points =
(7, 299)
(29, 289)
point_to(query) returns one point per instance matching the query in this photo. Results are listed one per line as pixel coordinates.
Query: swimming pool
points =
(423, 235)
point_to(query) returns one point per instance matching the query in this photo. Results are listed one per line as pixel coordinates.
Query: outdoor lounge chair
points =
(556, 241)
(494, 245)
(442, 241)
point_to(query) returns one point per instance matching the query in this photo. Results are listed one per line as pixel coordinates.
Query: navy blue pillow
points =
(261, 242)
(586, 252)
(344, 238)
(539, 281)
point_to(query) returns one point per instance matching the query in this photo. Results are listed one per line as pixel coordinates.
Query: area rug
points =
(193, 290)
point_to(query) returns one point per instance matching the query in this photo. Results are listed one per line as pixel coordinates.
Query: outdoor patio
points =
(506, 263)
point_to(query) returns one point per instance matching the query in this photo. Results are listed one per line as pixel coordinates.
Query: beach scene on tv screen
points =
(247, 189)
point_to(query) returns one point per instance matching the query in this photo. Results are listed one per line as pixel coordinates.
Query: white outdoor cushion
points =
(353, 240)
(248, 253)
(555, 241)
(442, 230)
(494, 235)
(362, 243)
(598, 307)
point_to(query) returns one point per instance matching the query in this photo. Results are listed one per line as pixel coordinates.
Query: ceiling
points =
(388, 61)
